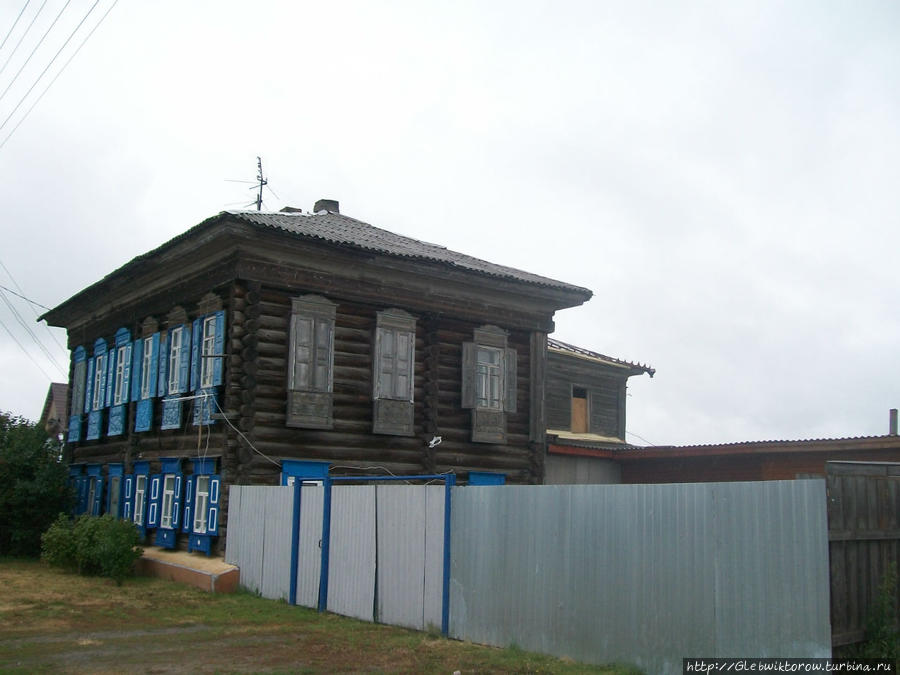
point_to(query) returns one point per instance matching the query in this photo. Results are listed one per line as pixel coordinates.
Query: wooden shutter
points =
(311, 358)
(154, 500)
(162, 381)
(97, 507)
(176, 501)
(137, 369)
(219, 347)
(128, 498)
(302, 349)
(469, 351)
(187, 521)
(510, 381)
(212, 517)
(89, 387)
(110, 378)
(154, 363)
(196, 341)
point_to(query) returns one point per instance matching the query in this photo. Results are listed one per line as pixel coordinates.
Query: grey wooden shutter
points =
(469, 351)
(393, 373)
(509, 366)
(311, 363)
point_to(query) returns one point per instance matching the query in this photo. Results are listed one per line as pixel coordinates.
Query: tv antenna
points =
(258, 185)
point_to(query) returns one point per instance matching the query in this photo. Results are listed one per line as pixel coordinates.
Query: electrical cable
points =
(31, 334)
(36, 47)
(33, 310)
(19, 295)
(58, 73)
(47, 67)
(241, 434)
(631, 433)
(27, 30)
(27, 353)
(15, 23)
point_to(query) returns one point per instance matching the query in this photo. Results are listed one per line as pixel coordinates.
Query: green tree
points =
(33, 485)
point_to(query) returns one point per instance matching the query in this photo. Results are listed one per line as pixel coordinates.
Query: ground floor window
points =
(140, 490)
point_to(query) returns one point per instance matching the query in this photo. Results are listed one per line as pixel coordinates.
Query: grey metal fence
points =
(645, 574)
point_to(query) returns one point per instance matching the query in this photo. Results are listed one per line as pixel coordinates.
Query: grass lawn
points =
(55, 621)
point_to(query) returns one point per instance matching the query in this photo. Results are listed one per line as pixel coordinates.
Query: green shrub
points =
(882, 633)
(93, 545)
(58, 543)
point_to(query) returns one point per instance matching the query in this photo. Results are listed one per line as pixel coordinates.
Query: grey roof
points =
(336, 228)
(565, 347)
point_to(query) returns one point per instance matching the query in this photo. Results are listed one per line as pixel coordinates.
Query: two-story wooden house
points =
(263, 347)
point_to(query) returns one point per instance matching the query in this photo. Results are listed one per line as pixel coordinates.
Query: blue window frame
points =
(75, 484)
(119, 382)
(79, 382)
(140, 495)
(144, 380)
(95, 401)
(207, 355)
(201, 506)
(114, 490)
(94, 490)
(169, 504)
(174, 373)
(293, 470)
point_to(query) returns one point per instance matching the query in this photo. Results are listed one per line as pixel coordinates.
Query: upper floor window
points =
(393, 373)
(208, 351)
(122, 360)
(489, 383)
(147, 368)
(311, 362)
(176, 356)
(99, 381)
(580, 411)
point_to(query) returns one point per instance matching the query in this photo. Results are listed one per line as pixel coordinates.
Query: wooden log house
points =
(259, 348)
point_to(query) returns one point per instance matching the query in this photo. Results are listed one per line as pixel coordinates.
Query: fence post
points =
(326, 544)
(295, 542)
(449, 482)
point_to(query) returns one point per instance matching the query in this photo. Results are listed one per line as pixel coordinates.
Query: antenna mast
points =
(262, 182)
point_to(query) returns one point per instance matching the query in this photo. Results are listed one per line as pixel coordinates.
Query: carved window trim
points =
(310, 375)
(484, 360)
(393, 373)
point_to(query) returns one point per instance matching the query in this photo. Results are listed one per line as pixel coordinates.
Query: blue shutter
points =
(176, 502)
(128, 497)
(212, 520)
(154, 360)
(89, 387)
(219, 348)
(162, 380)
(184, 363)
(98, 497)
(110, 378)
(196, 339)
(187, 523)
(154, 501)
(137, 370)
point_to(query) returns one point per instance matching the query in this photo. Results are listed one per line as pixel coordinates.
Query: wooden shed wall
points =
(606, 394)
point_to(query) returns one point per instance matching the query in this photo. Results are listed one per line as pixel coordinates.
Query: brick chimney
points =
(330, 205)
(892, 429)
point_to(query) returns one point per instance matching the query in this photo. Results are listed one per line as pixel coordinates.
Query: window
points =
(121, 361)
(311, 361)
(580, 408)
(115, 488)
(489, 383)
(201, 504)
(99, 377)
(393, 376)
(92, 495)
(175, 358)
(147, 367)
(140, 492)
(208, 351)
(168, 499)
(79, 384)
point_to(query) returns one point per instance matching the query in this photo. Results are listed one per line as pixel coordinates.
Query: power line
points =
(36, 47)
(30, 357)
(59, 72)
(15, 23)
(33, 310)
(19, 295)
(44, 71)
(27, 30)
(31, 334)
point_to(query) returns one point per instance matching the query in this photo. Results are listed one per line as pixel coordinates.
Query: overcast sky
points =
(723, 175)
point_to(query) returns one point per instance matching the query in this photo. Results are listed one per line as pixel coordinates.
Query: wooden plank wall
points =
(604, 394)
(864, 540)
(261, 334)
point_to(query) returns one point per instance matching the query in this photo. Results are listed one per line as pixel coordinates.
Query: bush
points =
(93, 545)
(882, 633)
(33, 485)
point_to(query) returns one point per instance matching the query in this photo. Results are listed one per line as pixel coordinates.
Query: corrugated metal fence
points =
(645, 574)
(385, 557)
